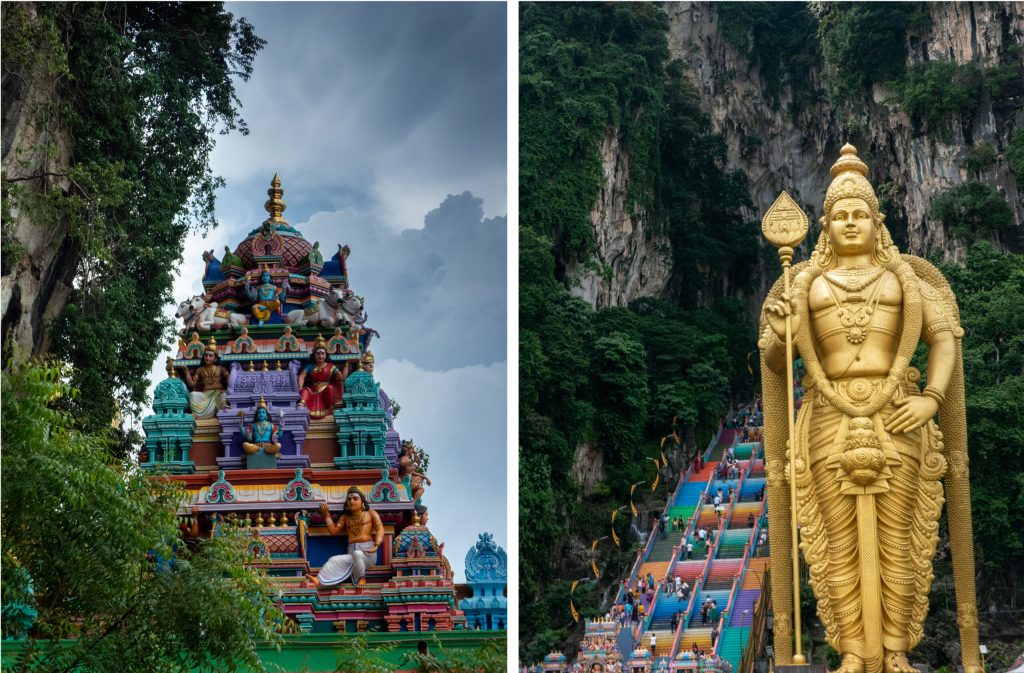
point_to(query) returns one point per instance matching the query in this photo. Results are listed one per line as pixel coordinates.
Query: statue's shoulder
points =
(934, 286)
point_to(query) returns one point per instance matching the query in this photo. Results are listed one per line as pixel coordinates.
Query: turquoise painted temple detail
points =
(270, 417)
(169, 430)
(487, 575)
(362, 425)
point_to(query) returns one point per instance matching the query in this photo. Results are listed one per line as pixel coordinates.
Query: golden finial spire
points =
(170, 369)
(415, 518)
(275, 205)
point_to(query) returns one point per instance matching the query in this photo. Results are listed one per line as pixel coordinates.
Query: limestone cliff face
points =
(631, 261)
(37, 275)
(779, 153)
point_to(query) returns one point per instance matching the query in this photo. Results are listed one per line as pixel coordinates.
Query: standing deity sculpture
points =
(410, 465)
(321, 383)
(266, 297)
(208, 385)
(365, 533)
(869, 456)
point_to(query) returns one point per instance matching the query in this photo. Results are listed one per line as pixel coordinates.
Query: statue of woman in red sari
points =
(321, 383)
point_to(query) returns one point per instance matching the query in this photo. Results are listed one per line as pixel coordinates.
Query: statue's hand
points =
(325, 510)
(911, 413)
(777, 313)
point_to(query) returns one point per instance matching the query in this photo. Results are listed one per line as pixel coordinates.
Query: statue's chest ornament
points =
(855, 311)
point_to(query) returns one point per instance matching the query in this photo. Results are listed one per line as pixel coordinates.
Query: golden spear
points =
(785, 227)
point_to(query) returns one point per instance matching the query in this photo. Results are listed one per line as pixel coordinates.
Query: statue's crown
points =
(850, 180)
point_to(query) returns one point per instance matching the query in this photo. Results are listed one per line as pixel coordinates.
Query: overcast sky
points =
(386, 124)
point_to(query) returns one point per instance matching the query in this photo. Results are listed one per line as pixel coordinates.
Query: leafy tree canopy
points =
(93, 547)
(141, 88)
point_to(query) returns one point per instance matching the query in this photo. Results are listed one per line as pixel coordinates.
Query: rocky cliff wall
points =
(40, 258)
(631, 261)
(779, 153)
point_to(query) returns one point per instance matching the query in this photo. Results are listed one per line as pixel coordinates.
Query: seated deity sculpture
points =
(365, 535)
(208, 385)
(321, 383)
(261, 438)
(265, 297)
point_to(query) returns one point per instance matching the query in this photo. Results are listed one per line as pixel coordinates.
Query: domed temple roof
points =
(275, 237)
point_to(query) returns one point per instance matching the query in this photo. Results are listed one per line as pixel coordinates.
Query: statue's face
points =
(261, 414)
(209, 357)
(851, 229)
(265, 277)
(319, 356)
(354, 503)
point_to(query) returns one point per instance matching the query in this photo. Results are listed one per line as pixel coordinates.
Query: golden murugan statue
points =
(869, 455)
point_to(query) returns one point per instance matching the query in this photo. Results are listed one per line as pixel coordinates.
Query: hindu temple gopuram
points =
(271, 418)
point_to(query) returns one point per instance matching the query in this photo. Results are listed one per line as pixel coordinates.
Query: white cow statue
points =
(338, 307)
(203, 317)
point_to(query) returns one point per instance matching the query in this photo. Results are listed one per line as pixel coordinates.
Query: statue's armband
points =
(936, 318)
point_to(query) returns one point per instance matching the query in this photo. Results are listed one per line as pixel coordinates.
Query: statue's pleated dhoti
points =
(353, 564)
(868, 515)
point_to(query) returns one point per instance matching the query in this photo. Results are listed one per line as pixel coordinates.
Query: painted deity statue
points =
(262, 434)
(208, 385)
(365, 533)
(321, 383)
(265, 297)
(869, 455)
(409, 465)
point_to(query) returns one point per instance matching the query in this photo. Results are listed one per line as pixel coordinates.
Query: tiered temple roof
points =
(264, 442)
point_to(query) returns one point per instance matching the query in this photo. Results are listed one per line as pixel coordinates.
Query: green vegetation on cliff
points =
(613, 379)
(599, 387)
(140, 92)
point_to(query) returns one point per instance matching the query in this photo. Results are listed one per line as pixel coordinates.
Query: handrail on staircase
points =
(726, 614)
(755, 636)
(697, 587)
(642, 554)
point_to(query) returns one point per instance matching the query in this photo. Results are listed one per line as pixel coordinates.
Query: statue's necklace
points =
(855, 313)
(853, 280)
(262, 426)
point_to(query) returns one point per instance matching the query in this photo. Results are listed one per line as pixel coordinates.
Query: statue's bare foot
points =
(851, 664)
(897, 662)
(313, 579)
(361, 582)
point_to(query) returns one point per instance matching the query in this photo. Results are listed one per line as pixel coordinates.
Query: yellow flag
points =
(664, 460)
(593, 565)
(663, 441)
(572, 608)
(657, 473)
(750, 369)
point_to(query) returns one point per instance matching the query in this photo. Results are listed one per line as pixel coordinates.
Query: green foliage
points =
(1015, 155)
(584, 69)
(972, 210)
(865, 43)
(979, 158)
(990, 291)
(95, 537)
(780, 38)
(610, 381)
(356, 655)
(142, 91)
(936, 94)
(490, 658)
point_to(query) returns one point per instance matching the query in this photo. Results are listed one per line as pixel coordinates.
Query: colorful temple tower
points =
(487, 575)
(270, 415)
